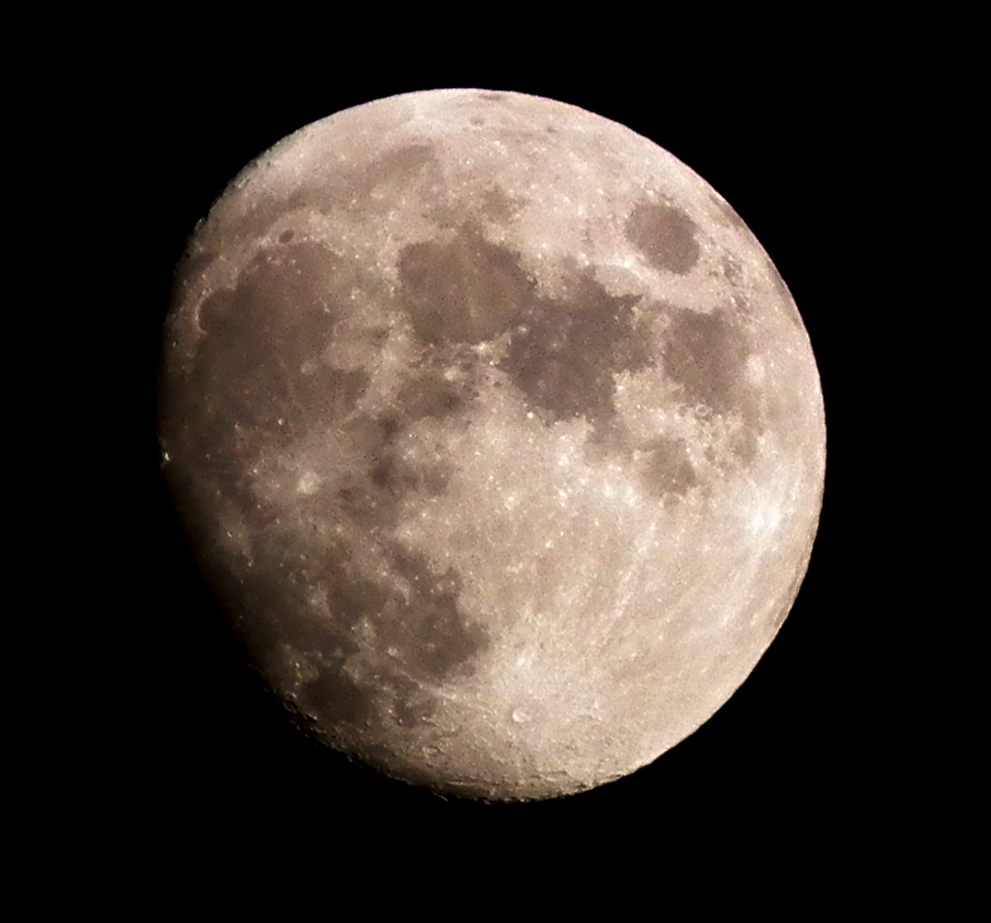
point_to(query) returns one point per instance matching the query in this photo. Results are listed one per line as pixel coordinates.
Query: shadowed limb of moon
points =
(498, 435)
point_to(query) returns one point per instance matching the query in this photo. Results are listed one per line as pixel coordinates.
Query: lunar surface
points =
(497, 434)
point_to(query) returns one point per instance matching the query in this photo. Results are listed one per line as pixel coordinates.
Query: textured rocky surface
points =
(498, 433)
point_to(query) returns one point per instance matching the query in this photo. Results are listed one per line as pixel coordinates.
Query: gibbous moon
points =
(498, 436)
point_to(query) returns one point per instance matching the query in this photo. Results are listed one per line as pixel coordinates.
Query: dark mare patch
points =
(246, 390)
(664, 235)
(667, 470)
(334, 698)
(395, 169)
(565, 353)
(465, 290)
(706, 354)
(409, 631)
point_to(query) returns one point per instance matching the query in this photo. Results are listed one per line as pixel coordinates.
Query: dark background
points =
(798, 752)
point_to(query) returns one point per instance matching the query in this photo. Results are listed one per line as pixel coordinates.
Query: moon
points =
(498, 436)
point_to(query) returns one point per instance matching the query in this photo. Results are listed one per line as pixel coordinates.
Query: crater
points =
(665, 235)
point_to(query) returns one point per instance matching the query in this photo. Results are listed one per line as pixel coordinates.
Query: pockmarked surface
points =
(497, 433)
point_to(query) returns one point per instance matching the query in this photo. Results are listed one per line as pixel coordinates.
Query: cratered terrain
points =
(496, 433)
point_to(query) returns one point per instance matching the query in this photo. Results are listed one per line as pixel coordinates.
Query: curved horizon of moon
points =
(497, 434)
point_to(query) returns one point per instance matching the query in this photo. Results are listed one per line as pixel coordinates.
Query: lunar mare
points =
(498, 435)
